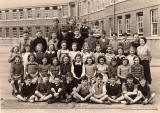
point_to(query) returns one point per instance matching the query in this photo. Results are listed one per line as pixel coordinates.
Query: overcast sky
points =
(21, 3)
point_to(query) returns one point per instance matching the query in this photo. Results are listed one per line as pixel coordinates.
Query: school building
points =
(33, 16)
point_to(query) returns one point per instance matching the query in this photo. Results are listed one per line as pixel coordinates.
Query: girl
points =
(77, 68)
(54, 40)
(63, 51)
(102, 68)
(131, 56)
(137, 70)
(144, 53)
(74, 51)
(86, 52)
(14, 52)
(98, 52)
(90, 69)
(123, 70)
(32, 68)
(120, 56)
(109, 55)
(39, 53)
(43, 68)
(51, 53)
(54, 69)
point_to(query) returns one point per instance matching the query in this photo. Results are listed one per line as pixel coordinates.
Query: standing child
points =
(83, 91)
(99, 89)
(63, 51)
(102, 68)
(54, 69)
(120, 56)
(109, 55)
(39, 53)
(123, 70)
(51, 53)
(17, 72)
(14, 52)
(32, 68)
(96, 30)
(77, 68)
(54, 40)
(112, 69)
(131, 56)
(74, 51)
(98, 52)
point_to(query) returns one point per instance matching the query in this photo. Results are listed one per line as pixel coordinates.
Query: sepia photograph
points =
(80, 56)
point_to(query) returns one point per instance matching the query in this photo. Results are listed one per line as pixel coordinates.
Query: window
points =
(140, 23)
(0, 32)
(55, 11)
(0, 15)
(21, 13)
(21, 32)
(128, 29)
(47, 12)
(154, 22)
(6, 14)
(14, 14)
(47, 31)
(7, 32)
(38, 13)
(120, 26)
(111, 25)
(14, 32)
(64, 11)
(29, 12)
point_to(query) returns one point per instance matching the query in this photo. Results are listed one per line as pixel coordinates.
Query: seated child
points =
(146, 95)
(42, 89)
(83, 91)
(27, 91)
(17, 72)
(54, 91)
(99, 90)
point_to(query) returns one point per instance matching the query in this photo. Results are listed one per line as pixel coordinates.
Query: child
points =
(51, 53)
(137, 70)
(53, 40)
(120, 56)
(14, 52)
(131, 56)
(123, 70)
(54, 91)
(109, 55)
(63, 51)
(99, 89)
(42, 88)
(28, 90)
(98, 52)
(39, 53)
(146, 94)
(130, 92)
(32, 68)
(54, 69)
(17, 72)
(83, 91)
(77, 68)
(84, 29)
(103, 41)
(90, 69)
(86, 52)
(102, 68)
(135, 43)
(43, 68)
(112, 69)
(113, 90)
(114, 43)
(96, 30)
(74, 51)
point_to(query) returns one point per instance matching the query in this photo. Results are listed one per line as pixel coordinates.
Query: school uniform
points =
(43, 88)
(113, 90)
(39, 57)
(79, 40)
(84, 31)
(145, 91)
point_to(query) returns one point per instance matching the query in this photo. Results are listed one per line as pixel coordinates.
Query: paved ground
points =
(5, 93)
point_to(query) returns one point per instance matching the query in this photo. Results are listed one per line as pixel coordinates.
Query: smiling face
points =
(55, 62)
(44, 60)
(17, 60)
(99, 80)
(142, 42)
(84, 82)
(89, 61)
(57, 81)
(98, 48)
(101, 61)
(66, 60)
(74, 47)
(125, 62)
(31, 59)
(136, 60)
(78, 59)
(109, 50)
(64, 46)
(120, 51)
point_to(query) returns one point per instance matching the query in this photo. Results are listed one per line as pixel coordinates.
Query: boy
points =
(54, 91)
(27, 91)
(99, 90)
(130, 91)
(42, 88)
(114, 43)
(146, 95)
(84, 29)
(83, 91)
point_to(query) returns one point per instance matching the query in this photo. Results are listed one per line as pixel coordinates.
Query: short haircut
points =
(99, 75)
(84, 78)
(144, 38)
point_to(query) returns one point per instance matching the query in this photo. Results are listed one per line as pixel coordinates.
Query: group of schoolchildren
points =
(89, 69)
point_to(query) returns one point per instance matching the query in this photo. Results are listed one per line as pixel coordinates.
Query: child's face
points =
(143, 82)
(15, 49)
(54, 35)
(132, 51)
(74, 47)
(31, 59)
(84, 82)
(113, 63)
(136, 60)
(99, 80)
(38, 34)
(45, 79)
(109, 50)
(78, 59)
(65, 60)
(86, 47)
(64, 45)
(56, 81)
(51, 47)
(76, 33)
(120, 51)
(98, 48)
(101, 60)
(28, 81)
(55, 62)
(136, 36)
(27, 49)
(71, 22)
(89, 61)
(44, 60)
(39, 48)
(142, 42)
(25, 36)
(112, 80)
(130, 81)
(17, 60)
(125, 62)
(69, 79)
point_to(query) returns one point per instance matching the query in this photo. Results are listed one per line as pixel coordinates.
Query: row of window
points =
(18, 32)
(47, 12)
